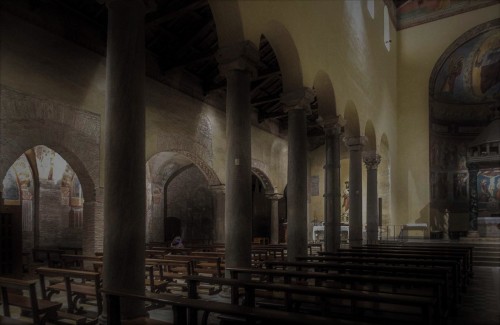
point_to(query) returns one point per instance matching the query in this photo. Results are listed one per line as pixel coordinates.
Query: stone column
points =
(372, 160)
(355, 147)
(219, 194)
(297, 104)
(125, 173)
(275, 222)
(473, 197)
(333, 131)
(238, 65)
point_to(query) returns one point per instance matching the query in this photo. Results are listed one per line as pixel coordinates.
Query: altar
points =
(318, 233)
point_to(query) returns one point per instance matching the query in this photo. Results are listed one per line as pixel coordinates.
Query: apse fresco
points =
(416, 12)
(471, 74)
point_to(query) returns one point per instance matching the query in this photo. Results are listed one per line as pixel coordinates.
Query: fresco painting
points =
(471, 74)
(488, 186)
(415, 12)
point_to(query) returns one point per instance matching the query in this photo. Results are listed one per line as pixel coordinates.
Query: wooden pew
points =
(74, 291)
(462, 250)
(439, 273)
(464, 269)
(12, 295)
(181, 305)
(458, 278)
(78, 261)
(428, 306)
(48, 256)
(165, 275)
(4, 320)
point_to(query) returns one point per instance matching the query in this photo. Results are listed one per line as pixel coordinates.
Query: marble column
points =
(297, 104)
(238, 63)
(333, 132)
(371, 160)
(355, 147)
(219, 193)
(275, 222)
(473, 198)
(124, 182)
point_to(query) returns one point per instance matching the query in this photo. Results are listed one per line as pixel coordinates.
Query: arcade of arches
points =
(246, 121)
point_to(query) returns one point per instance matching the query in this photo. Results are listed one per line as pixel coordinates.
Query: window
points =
(370, 5)
(387, 31)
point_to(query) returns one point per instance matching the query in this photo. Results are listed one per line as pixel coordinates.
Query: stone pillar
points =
(219, 194)
(372, 160)
(297, 104)
(125, 171)
(333, 131)
(238, 65)
(473, 197)
(355, 147)
(275, 221)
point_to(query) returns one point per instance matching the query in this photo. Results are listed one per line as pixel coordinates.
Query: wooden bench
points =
(428, 306)
(458, 277)
(78, 261)
(48, 256)
(12, 321)
(438, 273)
(40, 309)
(463, 250)
(89, 286)
(166, 275)
(186, 309)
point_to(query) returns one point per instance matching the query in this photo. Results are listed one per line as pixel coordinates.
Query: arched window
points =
(370, 5)
(387, 31)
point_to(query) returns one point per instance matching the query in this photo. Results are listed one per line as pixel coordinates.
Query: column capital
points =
(371, 160)
(334, 124)
(355, 143)
(243, 56)
(298, 99)
(274, 196)
(221, 188)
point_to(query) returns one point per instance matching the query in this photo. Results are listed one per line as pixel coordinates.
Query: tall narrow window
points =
(387, 31)
(370, 5)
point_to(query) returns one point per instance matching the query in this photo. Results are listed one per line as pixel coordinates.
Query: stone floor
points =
(480, 306)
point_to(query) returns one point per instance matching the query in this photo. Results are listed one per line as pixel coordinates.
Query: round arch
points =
(371, 144)
(325, 95)
(286, 53)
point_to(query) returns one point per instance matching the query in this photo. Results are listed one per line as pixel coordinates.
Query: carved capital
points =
(472, 167)
(355, 143)
(274, 196)
(298, 99)
(371, 160)
(243, 56)
(221, 188)
(333, 125)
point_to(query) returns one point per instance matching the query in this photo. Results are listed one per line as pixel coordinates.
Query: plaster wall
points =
(341, 39)
(419, 48)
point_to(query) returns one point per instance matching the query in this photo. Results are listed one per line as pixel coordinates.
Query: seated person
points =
(177, 242)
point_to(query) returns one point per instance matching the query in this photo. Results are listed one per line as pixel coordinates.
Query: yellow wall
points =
(419, 48)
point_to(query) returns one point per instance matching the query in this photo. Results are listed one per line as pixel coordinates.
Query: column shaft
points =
(332, 188)
(371, 161)
(238, 214)
(275, 222)
(473, 196)
(219, 203)
(297, 184)
(124, 206)
(355, 145)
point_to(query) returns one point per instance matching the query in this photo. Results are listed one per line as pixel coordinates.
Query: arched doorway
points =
(49, 193)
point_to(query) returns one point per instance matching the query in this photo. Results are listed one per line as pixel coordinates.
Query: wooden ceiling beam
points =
(177, 13)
